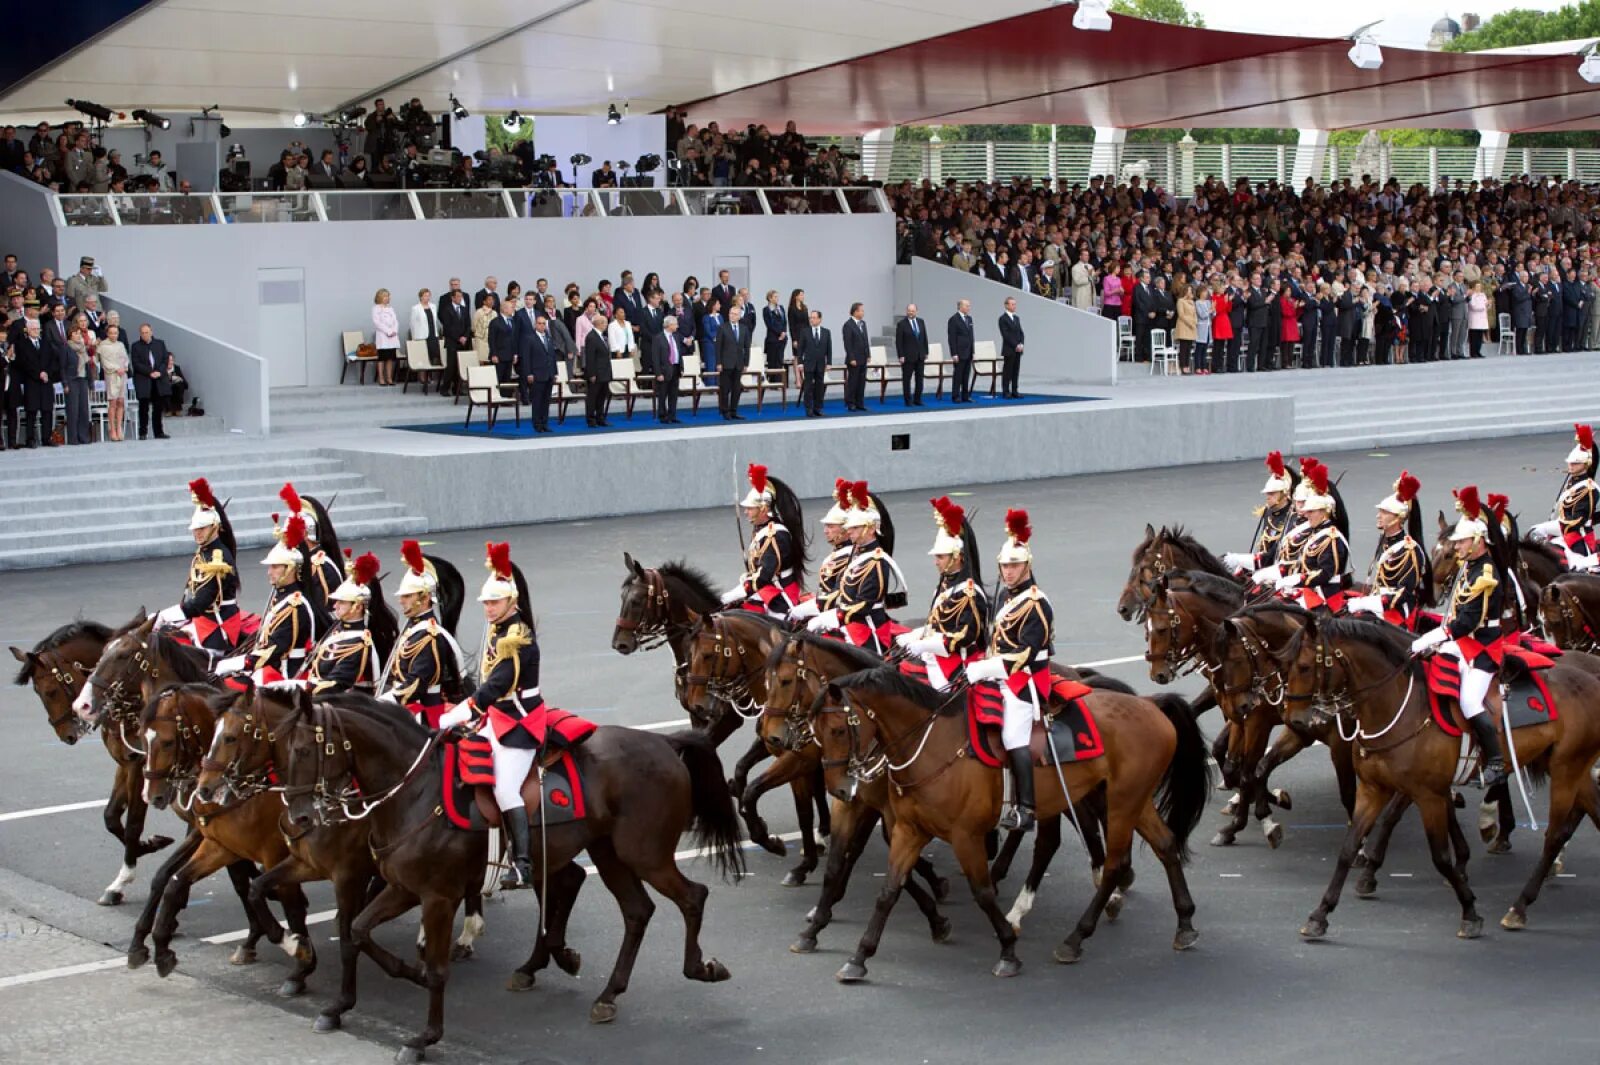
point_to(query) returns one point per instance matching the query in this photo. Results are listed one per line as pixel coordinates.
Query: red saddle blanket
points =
(1528, 700)
(1073, 731)
(468, 770)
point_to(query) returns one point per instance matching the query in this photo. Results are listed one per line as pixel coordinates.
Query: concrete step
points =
(1405, 433)
(225, 481)
(1484, 411)
(255, 530)
(153, 513)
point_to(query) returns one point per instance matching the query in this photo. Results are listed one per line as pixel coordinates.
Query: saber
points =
(738, 519)
(1511, 749)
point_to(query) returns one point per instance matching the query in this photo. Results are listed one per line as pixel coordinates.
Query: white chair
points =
(881, 370)
(100, 410)
(624, 384)
(938, 369)
(1163, 354)
(485, 390)
(350, 341)
(1508, 337)
(419, 366)
(1126, 345)
(986, 362)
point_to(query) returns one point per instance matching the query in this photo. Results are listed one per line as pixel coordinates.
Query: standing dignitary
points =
(37, 372)
(596, 373)
(1010, 350)
(816, 355)
(150, 361)
(666, 358)
(857, 350)
(733, 357)
(958, 332)
(536, 363)
(911, 349)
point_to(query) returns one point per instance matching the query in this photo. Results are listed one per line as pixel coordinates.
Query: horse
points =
(1154, 776)
(663, 605)
(1170, 549)
(642, 791)
(1356, 672)
(1569, 609)
(58, 667)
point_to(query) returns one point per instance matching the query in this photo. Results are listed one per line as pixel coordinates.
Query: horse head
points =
(1169, 634)
(1135, 591)
(643, 609)
(848, 739)
(177, 724)
(317, 767)
(240, 751)
(1313, 671)
(115, 685)
(1444, 561)
(58, 669)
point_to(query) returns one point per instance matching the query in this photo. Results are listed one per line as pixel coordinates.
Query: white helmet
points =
(501, 582)
(839, 513)
(1018, 533)
(1583, 450)
(206, 510)
(761, 493)
(862, 512)
(419, 576)
(1472, 524)
(358, 578)
(948, 519)
(1278, 479)
(286, 550)
(1400, 501)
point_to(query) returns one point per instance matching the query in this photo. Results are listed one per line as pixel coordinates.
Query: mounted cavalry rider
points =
(1400, 581)
(349, 657)
(1573, 519)
(775, 560)
(1020, 645)
(1275, 518)
(209, 612)
(831, 571)
(957, 630)
(507, 707)
(870, 585)
(1286, 557)
(1322, 567)
(1471, 631)
(325, 573)
(289, 625)
(426, 656)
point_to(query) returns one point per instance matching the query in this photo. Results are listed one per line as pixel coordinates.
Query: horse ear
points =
(633, 566)
(146, 626)
(1149, 531)
(22, 656)
(1444, 526)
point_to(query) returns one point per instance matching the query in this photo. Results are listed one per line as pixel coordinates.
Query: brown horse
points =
(1154, 776)
(663, 605)
(642, 791)
(58, 667)
(1569, 608)
(1361, 675)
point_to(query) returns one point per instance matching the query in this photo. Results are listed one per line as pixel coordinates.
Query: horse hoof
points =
(460, 952)
(713, 971)
(1274, 833)
(1557, 867)
(1231, 807)
(242, 956)
(1006, 967)
(520, 981)
(138, 956)
(166, 961)
(804, 945)
(602, 1013)
(1514, 921)
(942, 929)
(408, 1056)
(794, 878)
(291, 988)
(1114, 904)
(568, 960)
(1488, 821)
(1498, 846)
(851, 972)
(1067, 952)
(1366, 886)
(109, 898)
(1222, 839)
(1282, 799)
(1458, 800)
(1185, 939)
(1471, 928)
(773, 845)
(327, 1022)
(1315, 928)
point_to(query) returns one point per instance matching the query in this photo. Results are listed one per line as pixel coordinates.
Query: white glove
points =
(231, 665)
(986, 669)
(1267, 575)
(909, 637)
(929, 645)
(1371, 604)
(173, 617)
(1289, 583)
(826, 621)
(458, 714)
(1428, 641)
(805, 609)
(734, 595)
(1238, 561)
(1546, 530)
(1581, 563)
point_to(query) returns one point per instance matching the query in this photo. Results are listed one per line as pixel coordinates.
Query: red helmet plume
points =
(411, 551)
(1017, 526)
(1585, 437)
(1307, 464)
(1498, 505)
(294, 534)
(365, 569)
(860, 495)
(1467, 502)
(841, 493)
(291, 499)
(758, 478)
(949, 515)
(1405, 489)
(1275, 464)
(499, 559)
(200, 489)
(1318, 475)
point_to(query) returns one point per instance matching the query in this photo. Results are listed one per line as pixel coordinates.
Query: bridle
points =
(187, 758)
(875, 761)
(730, 684)
(1154, 559)
(1579, 630)
(121, 698)
(654, 625)
(1264, 671)
(1339, 702)
(71, 686)
(348, 803)
(1179, 659)
(244, 784)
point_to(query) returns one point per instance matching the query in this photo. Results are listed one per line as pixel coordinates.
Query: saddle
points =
(1527, 696)
(469, 777)
(1071, 727)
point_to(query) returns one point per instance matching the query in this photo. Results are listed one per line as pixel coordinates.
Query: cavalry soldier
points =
(426, 655)
(349, 656)
(1472, 626)
(861, 608)
(1400, 581)
(776, 557)
(1275, 518)
(957, 630)
(1287, 555)
(507, 707)
(1322, 566)
(288, 625)
(324, 574)
(832, 567)
(209, 611)
(1020, 645)
(1573, 519)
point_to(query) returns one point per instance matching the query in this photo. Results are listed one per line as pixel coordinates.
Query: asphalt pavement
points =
(1393, 983)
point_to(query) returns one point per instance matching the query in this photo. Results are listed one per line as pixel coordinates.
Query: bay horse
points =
(664, 605)
(1154, 776)
(58, 667)
(642, 791)
(1361, 675)
(1569, 608)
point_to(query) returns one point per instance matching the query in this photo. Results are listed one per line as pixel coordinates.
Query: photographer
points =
(383, 132)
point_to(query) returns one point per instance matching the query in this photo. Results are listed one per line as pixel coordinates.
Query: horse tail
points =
(1181, 798)
(715, 824)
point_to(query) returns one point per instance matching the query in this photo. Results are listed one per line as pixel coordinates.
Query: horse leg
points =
(803, 811)
(1158, 834)
(207, 859)
(350, 893)
(438, 915)
(472, 925)
(116, 806)
(1564, 817)
(1251, 745)
(968, 848)
(1342, 755)
(855, 824)
(747, 761)
(1008, 852)
(138, 952)
(556, 901)
(690, 898)
(1370, 859)
(1504, 821)
(1221, 747)
(285, 878)
(391, 902)
(626, 887)
(905, 845)
(257, 913)
(724, 725)
(1119, 849)
(1044, 849)
(819, 796)
(788, 767)
(1370, 801)
(1437, 811)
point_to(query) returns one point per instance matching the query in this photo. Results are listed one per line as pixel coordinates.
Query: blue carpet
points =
(507, 429)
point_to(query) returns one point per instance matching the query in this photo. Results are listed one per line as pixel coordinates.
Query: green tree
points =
(1521, 26)
(495, 135)
(1174, 12)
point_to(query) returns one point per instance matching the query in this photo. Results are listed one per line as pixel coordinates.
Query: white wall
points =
(204, 277)
(564, 136)
(1064, 343)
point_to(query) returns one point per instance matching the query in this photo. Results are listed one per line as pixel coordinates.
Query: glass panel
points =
(862, 200)
(552, 203)
(803, 201)
(269, 207)
(635, 202)
(461, 203)
(86, 210)
(165, 209)
(723, 201)
(384, 206)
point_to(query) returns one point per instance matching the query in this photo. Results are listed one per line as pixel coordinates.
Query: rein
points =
(328, 730)
(654, 626)
(244, 785)
(734, 690)
(1342, 701)
(876, 760)
(1263, 670)
(1577, 621)
(1180, 660)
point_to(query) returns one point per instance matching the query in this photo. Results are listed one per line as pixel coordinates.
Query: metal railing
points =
(378, 205)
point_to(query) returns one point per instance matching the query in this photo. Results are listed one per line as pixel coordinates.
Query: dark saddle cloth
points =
(469, 777)
(1528, 700)
(1071, 725)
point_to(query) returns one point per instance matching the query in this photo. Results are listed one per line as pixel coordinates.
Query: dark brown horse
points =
(1569, 608)
(1154, 777)
(641, 791)
(58, 667)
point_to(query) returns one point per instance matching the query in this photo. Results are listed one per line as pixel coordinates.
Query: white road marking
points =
(19, 815)
(1231, 876)
(1109, 662)
(65, 970)
(1401, 876)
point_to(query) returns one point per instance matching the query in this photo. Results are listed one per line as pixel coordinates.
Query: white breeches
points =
(511, 765)
(1017, 728)
(936, 678)
(1475, 683)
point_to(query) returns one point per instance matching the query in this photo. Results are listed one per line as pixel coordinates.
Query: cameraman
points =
(383, 132)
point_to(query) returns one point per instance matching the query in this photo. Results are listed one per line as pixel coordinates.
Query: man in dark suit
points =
(723, 291)
(503, 345)
(54, 335)
(816, 355)
(1521, 310)
(958, 335)
(490, 287)
(596, 374)
(148, 359)
(35, 369)
(1010, 350)
(857, 351)
(650, 325)
(666, 363)
(1542, 293)
(733, 356)
(1574, 298)
(11, 397)
(455, 326)
(536, 363)
(1349, 326)
(1144, 316)
(1236, 318)
(632, 303)
(1256, 315)
(911, 349)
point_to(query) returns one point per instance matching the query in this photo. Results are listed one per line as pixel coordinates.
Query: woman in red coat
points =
(1221, 330)
(1289, 308)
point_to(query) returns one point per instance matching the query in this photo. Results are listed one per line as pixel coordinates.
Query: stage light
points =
(456, 109)
(1366, 54)
(1091, 15)
(1589, 69)
(301, 119)
(512, 122)
(613, 116)
(94, 111)
(151, 119)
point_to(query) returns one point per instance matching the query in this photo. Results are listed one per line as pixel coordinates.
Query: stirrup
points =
(1018, 819)
(519, 875)
(1494, 774)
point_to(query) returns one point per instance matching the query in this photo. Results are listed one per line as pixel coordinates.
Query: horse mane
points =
(192, 665)
(1208, 585)
(1539, 547)
(72, 630)
(378, 711)
(1394, 644)
(888, 680)
(1181, 537)
(858, 657)
(705, 599)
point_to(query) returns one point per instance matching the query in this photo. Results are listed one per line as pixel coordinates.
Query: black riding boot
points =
(520, 875)
(1494, 760)
(1020, 819)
